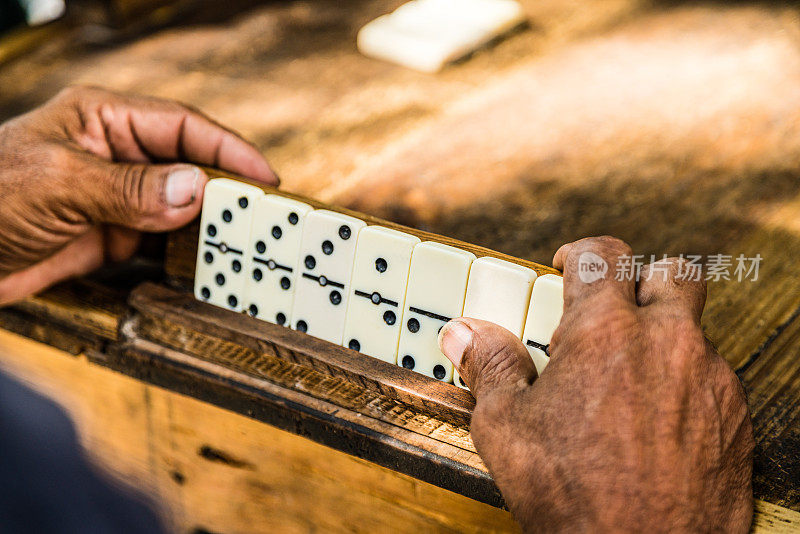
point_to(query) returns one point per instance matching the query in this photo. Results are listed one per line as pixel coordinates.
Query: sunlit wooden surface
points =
(211, 469)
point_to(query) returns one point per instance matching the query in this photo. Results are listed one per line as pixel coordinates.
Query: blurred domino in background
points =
(425, 35)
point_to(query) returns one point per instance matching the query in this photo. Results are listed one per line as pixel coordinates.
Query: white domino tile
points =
(498, 291)
(228, 208)
(544, 315)
(323, 276)
(272, 255)
(437, 283)
(377, 292)
(425, 35)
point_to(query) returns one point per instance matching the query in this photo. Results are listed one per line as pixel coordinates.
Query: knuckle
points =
(678, 275)
(610, 328)
(612, 241)
(610, 245)
(58, 160)
(676, 265)
(571, 261)
(689, 347)
(607, 247)
(59, 167)
(81, 97)
(68, 93)
(674, 278)
(74, 93)
(182, 107)
(168, 105)
(85, 90)
(689, 336)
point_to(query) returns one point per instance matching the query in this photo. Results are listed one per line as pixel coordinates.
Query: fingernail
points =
(454, 339)
(181, 189)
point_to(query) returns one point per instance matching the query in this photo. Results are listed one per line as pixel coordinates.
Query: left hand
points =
(82, 176)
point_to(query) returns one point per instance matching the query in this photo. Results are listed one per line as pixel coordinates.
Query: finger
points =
(487, 356)
(80, 256)
(150, 198)
(674, 283)
(594, 267)
(120, 243)
(138, 129)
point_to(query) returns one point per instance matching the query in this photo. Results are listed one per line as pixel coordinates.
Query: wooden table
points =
(675, 128)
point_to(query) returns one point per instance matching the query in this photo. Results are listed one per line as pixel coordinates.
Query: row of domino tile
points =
(373, 289)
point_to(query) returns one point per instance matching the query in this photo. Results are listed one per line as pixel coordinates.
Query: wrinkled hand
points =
(637, 424)
(81, 176)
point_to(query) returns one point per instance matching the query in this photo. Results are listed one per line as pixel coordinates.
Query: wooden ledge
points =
(422, 457)
(174, 319)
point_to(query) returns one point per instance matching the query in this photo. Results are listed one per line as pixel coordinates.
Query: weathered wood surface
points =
(177, 320)
(423, 455)
(673, 126)
(773, 386)
(193, 348)
(771, 518)
(683, 139)
(74, 317)
(212, 470)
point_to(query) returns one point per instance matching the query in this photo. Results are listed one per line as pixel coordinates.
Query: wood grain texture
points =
(73, 316)
(212, 470)
(176, 320)
(188, 454)
(771, 518)
(773, 382)
(88, 307)
(743, 318)
(671, 125)
(61, 337)
(419, 455)
(221, 344)
(21, 41)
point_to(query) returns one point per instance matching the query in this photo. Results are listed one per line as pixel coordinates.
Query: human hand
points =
(636, 424)
(83, 175)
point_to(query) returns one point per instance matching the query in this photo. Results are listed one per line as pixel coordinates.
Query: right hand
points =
(637, 424)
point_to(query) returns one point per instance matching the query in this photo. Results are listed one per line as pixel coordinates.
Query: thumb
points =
(150, 198)
(486, 355)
